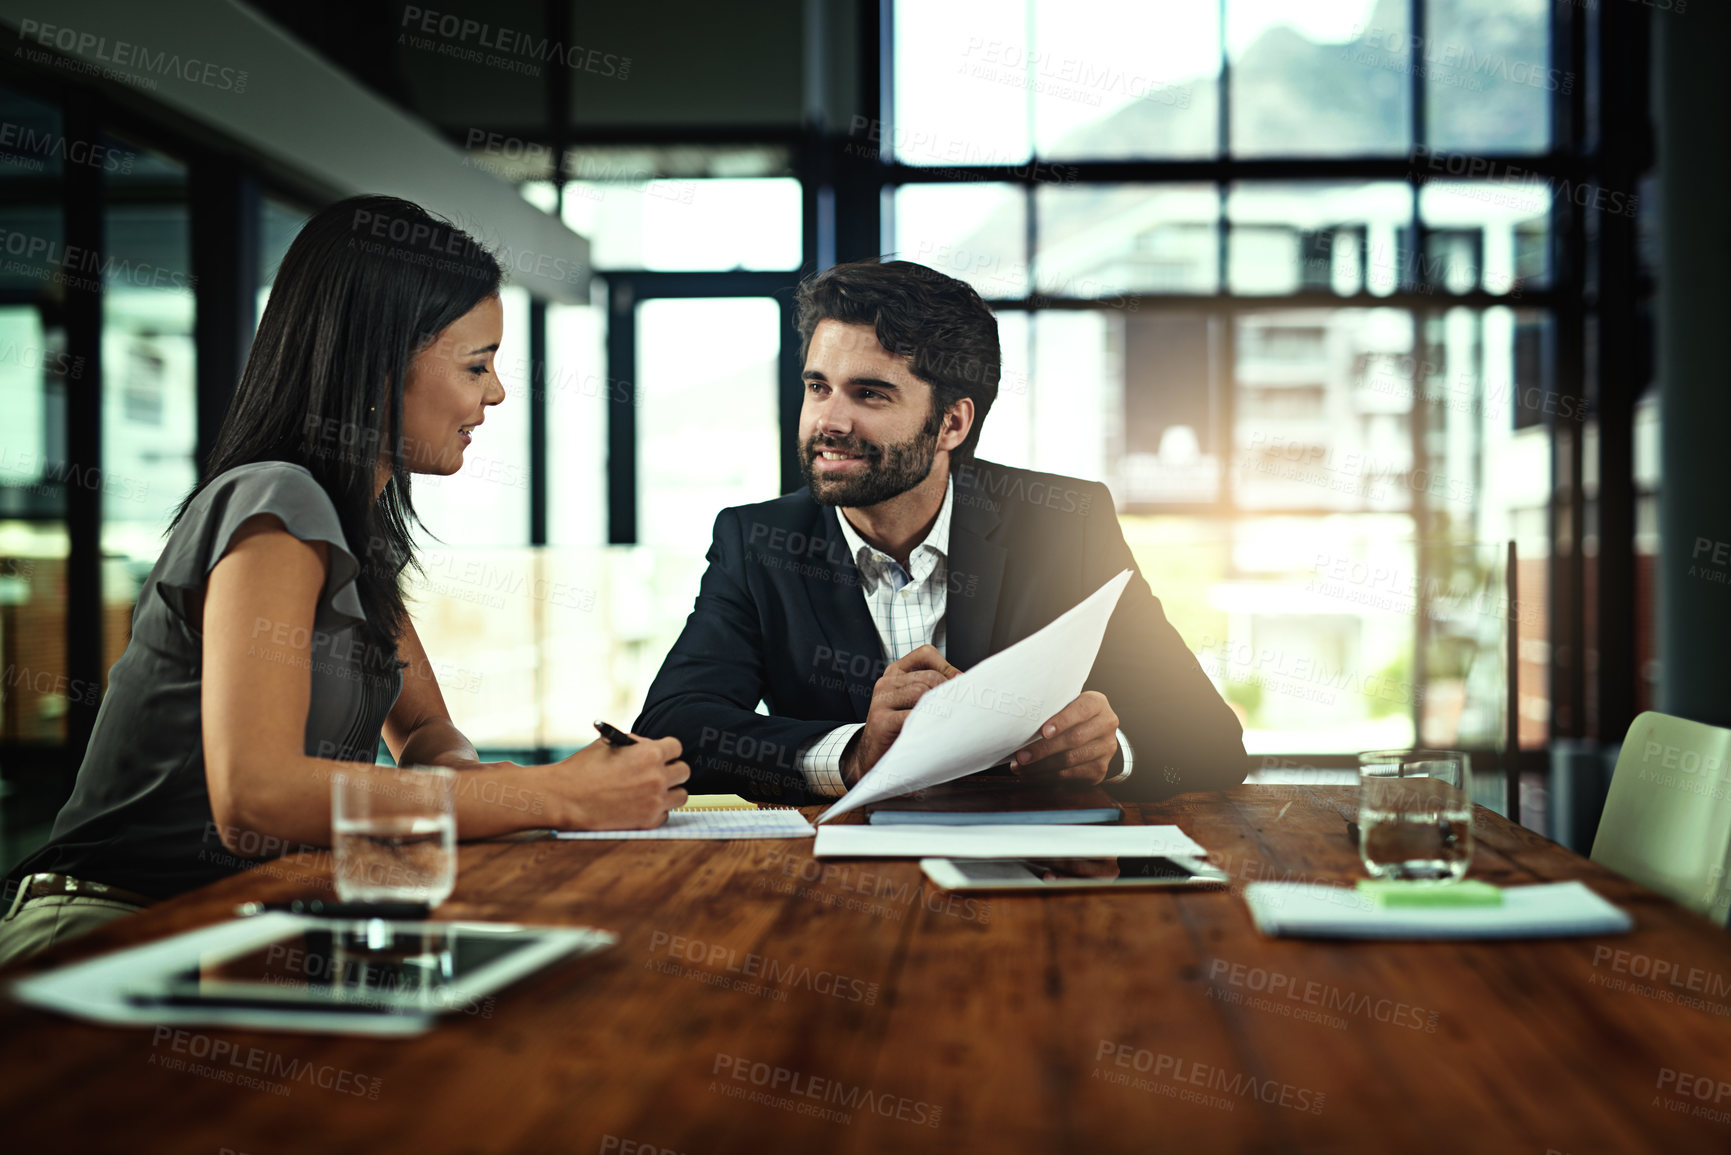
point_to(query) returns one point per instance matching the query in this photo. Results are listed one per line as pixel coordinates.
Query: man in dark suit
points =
(906, 560)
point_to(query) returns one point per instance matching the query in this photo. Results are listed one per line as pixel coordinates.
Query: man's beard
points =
(888, 471)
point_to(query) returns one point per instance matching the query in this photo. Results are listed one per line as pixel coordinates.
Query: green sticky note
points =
(1391, 892)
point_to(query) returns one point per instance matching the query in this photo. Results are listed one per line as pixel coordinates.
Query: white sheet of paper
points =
(1002, 842)
(983, 715)
(712, 824)
(1301, 910)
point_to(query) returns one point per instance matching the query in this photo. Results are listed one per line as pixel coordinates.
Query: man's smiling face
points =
(869, 430)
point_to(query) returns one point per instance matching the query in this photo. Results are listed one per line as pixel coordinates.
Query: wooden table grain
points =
(760, 1000)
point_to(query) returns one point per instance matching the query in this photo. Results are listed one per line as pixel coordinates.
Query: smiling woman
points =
(450, 384)
(271, 647)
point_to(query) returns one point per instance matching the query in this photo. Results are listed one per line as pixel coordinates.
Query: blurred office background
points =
(1339, 298)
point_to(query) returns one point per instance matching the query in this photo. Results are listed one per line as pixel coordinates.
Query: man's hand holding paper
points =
(902, 685)
(1076, 744)
(977, 718)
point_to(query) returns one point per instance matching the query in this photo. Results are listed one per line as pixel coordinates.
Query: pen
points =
(614, 735)
(320, 908)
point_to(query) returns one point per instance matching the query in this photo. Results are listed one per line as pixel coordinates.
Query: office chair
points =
(1667, 819)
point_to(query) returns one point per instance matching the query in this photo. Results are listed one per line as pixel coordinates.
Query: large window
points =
(706, 386)
(1316, 289)
(533, 641)
(1323, 404)
(36, 374)
(149, 390)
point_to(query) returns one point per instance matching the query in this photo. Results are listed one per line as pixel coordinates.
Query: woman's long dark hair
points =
(369, 281)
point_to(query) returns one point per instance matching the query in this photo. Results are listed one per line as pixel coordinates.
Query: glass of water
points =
(394, 833)
(1415, 814)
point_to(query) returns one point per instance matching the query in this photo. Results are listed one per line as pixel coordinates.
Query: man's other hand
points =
(1075, 745)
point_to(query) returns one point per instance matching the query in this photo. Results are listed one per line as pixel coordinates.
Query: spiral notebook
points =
(698, 803)
(714, 824)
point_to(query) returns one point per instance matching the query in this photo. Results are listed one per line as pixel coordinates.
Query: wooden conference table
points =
(760, 1000)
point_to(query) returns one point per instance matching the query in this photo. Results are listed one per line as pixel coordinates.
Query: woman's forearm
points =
(293, 806)
(492, 797)
(439, 743)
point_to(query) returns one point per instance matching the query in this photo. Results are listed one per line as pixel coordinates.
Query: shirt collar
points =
(937, 540)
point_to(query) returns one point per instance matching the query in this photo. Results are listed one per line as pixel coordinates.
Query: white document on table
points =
(1003, 842)
(1543, 910)
(981, 716)
(712, 824)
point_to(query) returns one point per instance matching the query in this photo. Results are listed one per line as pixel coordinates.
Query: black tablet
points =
(1070, 874)
(382, 967)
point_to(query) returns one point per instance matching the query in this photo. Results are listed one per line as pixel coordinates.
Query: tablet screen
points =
(1040, 874)
(378, 966)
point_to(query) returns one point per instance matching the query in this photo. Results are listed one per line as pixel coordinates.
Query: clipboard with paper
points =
(981, 716)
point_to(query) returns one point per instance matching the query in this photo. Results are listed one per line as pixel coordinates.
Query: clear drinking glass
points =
(1415, 814)
(394, 833)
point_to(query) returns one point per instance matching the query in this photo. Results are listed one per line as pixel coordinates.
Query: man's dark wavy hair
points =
(939, 323)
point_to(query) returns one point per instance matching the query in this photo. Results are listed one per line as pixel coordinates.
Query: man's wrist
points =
(850, 772)
(1127, 758)
(820, 760)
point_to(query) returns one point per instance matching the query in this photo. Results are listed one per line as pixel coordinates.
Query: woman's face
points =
(450, 384)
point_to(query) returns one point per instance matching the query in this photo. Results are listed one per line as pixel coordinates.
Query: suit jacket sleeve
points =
(707, 691)
(1184, 734)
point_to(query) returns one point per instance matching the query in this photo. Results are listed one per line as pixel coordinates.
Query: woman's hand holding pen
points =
(611, 787)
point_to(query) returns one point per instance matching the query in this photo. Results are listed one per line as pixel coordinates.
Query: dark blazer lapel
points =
(976, 572)
(833, 588)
